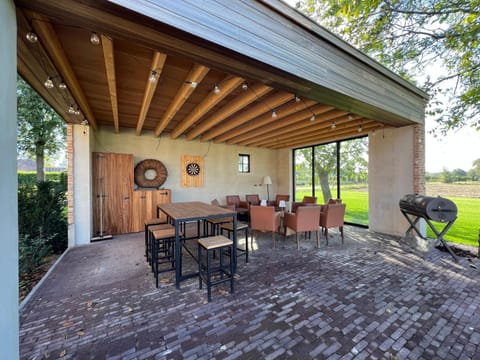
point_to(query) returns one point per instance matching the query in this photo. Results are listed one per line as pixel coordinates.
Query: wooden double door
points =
(118, 209)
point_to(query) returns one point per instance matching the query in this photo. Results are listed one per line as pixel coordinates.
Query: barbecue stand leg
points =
(440, 236)
(413, 226)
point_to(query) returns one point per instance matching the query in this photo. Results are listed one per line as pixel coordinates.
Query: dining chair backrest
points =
(253, 199)
(333, 216)
(309, 200)
(307, 218)
(263, 218)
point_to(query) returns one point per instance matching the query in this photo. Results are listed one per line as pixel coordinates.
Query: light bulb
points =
(62, 86)
(274, 114)
(32, 37)
(193, 84)
(77, 112)
(71, 110)
(244, 86)
(360, 128)
(216, 89)
(94, 39)
(297, 99)
(153, 76)
(334, 126)
(48, 83)
(313, 117)
(84, 122)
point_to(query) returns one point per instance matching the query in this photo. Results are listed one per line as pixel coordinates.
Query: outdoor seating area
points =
(371, 297)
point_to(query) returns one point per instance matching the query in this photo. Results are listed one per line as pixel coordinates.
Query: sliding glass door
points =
(335, 170)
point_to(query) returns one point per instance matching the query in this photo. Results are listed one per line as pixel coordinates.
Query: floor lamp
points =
(267, 180)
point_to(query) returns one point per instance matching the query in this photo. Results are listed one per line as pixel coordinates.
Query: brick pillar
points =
(419, 159)
(70, 172)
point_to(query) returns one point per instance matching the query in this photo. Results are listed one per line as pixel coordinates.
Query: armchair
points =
(307, 201)
(252, 199)
(240, 206)
(305, 219)
(264, 218)
(277, 200)
(332, 216)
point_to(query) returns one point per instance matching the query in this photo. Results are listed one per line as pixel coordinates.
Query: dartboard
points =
(193, 169)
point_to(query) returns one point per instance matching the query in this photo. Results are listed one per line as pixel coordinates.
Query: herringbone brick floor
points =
(371, 298)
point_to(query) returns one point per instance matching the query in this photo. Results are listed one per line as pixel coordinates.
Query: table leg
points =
(178, 255)
(235, 243)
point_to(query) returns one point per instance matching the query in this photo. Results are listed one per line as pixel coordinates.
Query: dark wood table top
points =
(193, 210)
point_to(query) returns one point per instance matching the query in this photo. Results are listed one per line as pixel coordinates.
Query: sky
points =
(457, 150)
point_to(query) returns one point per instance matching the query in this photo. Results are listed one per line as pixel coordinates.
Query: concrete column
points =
(80, 155)
(9, 325)
(392, 174)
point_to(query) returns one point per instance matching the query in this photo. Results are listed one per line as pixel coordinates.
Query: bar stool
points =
(240, 226)
(149, 243)
(214, 273)
(148, 223)
(163, 250)
(214, 225)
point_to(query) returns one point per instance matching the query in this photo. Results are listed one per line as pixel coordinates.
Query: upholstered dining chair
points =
(333, 216)
(305, 219)
(307, 201)
(253, 199)
(264, 218)
(277, 200)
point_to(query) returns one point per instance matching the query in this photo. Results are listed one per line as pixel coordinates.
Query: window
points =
(243, 163)
(335, 170)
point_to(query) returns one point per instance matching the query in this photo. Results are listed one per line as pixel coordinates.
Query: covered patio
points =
(371, 298)
(166, 79)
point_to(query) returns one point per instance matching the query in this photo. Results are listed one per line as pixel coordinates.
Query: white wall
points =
(9, 343)
(221, 175)
(80, 232)
(390, 172)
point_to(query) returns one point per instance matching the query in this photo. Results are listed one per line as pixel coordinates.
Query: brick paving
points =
(372, 298)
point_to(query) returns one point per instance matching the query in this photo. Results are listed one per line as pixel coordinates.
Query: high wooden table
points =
(181, 212)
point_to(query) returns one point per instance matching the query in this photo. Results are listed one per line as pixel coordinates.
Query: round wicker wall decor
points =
(151, 165)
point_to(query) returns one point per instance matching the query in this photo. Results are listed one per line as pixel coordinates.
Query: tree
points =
(411, 36)
(353, 162)
(40, 131)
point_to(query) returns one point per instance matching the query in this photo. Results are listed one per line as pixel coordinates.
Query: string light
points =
(360, 128)
(193, 84)
(32, 37)
(297, 99)
(274, 114)
(77, 112)
(334, 126)
(94, 39)
(244, 86)
(49, 83)
(71, 110)
(216, 89)
(153, 76)
(313, 117)
(62, 86)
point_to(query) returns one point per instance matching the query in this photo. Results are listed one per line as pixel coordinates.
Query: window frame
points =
(241, 164)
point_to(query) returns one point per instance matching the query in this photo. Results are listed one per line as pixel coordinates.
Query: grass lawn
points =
(465, 230)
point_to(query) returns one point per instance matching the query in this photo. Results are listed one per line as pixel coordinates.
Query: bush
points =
(30, 177)
(32, 252)
(41, 213)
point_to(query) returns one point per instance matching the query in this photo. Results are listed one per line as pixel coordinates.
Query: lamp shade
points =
(267, 180)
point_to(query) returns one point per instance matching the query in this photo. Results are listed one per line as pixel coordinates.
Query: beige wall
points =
(8, 184)
(391, 175)
(221, 176)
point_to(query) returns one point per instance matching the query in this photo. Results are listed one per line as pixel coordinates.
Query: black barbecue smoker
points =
(432, 209)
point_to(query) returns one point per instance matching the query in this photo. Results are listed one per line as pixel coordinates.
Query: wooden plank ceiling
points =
(122, 84)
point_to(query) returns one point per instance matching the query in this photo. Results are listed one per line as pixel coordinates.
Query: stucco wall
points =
(8, 184)
(391, 175)
(221, 176)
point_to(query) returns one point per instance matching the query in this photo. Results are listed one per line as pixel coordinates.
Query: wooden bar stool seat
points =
(163, 250)
(148, 244)
(241, 226)
(215, 272)
(147, 224)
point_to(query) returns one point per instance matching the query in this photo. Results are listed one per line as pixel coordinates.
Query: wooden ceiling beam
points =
(305, 125)
(264, 105)
(310, 128)
(263, 120)
(268, 124)
(150, 86)
(194, 77)
(250, 95)
(108, 56)
(340, 135)
(51, 42)
(226, 87)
